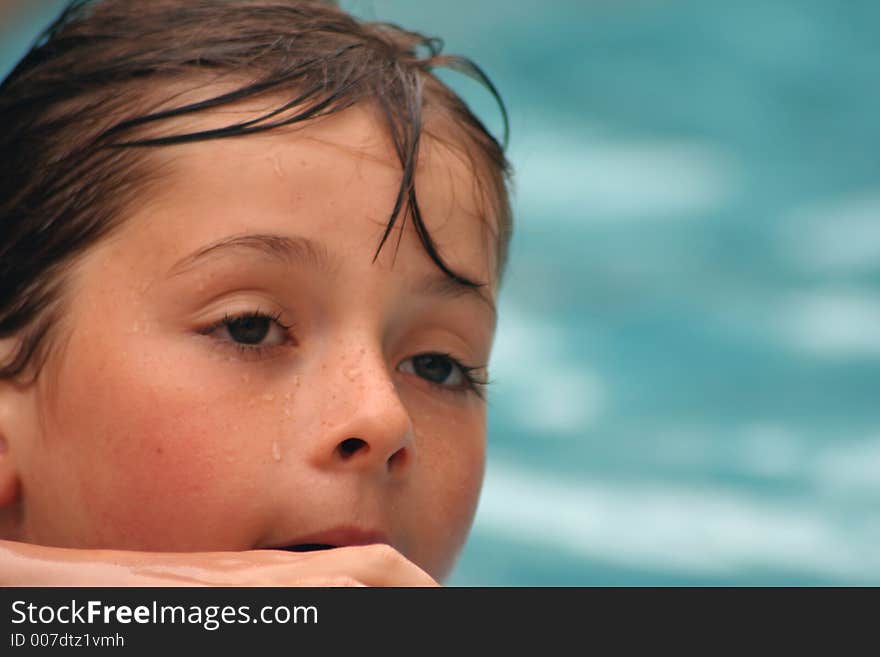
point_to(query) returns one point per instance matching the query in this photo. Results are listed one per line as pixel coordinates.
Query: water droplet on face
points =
(276, 450)
(287, 412)
(245, 378)
(287, 395)
(352, 373)
(276, 166)
(296, 380)
(136, 328)
(269, 396)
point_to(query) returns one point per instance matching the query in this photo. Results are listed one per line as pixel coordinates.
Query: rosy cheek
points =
(159, 467)
(452, 457)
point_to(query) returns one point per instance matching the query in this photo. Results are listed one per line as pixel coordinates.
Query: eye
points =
(251, 330)
(436, 368)
(443, 370)
(248, 329)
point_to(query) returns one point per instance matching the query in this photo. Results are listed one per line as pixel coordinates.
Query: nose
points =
(364, 423)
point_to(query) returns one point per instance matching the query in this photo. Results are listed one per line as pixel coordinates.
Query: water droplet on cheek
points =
(245, 378)
(276, 451)
(352, 373)
(277, 167)
(269, 396)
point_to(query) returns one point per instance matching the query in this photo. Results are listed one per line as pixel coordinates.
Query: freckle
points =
(287, 395)
(252, 401)
(276, 451)
(269, 396)
(159, 450)
(296, 380)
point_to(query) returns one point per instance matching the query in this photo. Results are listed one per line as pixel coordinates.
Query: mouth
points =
(305, 547)
(329, 540)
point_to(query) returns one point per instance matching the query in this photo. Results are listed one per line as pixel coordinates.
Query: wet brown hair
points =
(76, 120)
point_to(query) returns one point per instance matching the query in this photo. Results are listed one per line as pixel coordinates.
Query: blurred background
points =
(687, 369)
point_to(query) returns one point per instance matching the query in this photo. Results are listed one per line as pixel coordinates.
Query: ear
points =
(10, 503)
(9, 474)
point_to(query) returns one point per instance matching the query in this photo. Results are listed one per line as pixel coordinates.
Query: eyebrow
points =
(295, 250)
(284, 249)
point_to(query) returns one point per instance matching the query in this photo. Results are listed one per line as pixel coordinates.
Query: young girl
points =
(249, 258)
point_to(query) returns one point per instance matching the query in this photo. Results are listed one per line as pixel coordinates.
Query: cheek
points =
(153, 450)
(451, 455)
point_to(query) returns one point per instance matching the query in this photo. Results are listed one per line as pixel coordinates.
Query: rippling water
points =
(688, 357)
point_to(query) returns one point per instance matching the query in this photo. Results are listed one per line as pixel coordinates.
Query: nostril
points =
(398, 459)
(349, 446)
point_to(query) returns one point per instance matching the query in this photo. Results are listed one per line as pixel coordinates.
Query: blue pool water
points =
(687, 366)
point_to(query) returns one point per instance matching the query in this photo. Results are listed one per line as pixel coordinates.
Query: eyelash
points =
(255, 352)
(249, 351)
(472, 383)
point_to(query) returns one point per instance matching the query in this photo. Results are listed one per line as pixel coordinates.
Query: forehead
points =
(353, 145)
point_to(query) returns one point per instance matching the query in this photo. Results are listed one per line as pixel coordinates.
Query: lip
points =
(333, 538)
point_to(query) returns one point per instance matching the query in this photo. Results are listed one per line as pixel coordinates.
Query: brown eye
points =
(252, 330)
(433, 367)
(436, 368)
(249, 330)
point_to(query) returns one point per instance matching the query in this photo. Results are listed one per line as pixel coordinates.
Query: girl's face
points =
(236, 372)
